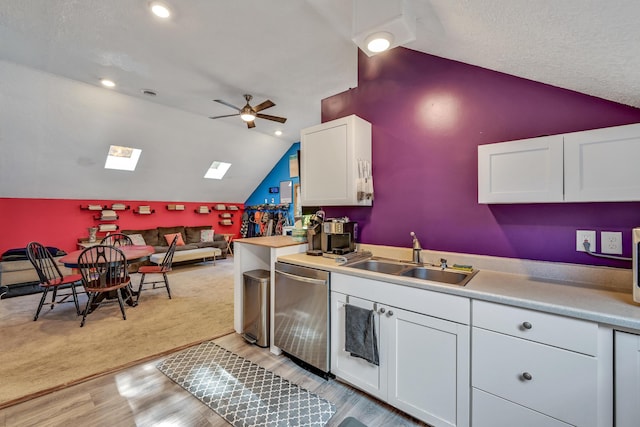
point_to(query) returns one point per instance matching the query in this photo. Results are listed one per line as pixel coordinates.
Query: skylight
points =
(122, 158)
(217, 170)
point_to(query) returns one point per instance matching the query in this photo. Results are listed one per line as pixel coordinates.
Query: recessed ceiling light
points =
(107, 83)
(278, 132)
(160, 9)
(379, 42)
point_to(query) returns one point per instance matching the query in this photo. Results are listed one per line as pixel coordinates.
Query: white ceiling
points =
(299, 52)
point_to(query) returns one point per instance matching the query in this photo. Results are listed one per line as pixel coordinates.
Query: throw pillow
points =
(169, 239)
(137, 239)
(206, 235)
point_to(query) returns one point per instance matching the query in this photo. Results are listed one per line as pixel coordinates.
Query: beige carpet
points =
(54, 351)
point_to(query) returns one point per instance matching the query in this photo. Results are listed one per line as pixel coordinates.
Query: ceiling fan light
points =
(247, 114)
(379, 42)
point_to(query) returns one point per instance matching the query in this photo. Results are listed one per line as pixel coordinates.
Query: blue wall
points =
(280, 172)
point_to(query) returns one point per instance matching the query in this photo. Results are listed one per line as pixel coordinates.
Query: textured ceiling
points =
(298, 52)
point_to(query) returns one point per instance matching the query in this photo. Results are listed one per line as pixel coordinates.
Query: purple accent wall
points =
(428, 116)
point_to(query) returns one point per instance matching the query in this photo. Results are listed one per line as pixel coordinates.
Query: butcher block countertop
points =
(599, 294)
(270, 241)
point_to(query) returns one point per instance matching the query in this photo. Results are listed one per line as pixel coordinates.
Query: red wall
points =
(61, 222)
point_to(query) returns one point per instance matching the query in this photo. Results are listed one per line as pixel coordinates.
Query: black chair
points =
(104, 272)
(51, 278)
(162, 268)
(117, 239)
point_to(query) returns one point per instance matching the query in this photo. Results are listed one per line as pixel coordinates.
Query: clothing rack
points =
(265, 220)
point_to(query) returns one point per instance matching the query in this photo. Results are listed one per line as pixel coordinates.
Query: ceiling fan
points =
(249, 113)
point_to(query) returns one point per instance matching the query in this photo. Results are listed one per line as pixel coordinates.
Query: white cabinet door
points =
(602, 164)
(428, 367)
(559, 383)
(627, 379)
(329, 155)
(523, 171)
(356, 371)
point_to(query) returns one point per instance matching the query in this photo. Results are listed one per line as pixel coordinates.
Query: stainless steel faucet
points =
(443, 263)
(416, 248)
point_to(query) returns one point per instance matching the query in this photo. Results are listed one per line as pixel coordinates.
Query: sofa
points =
(16, 269)
(194, 248)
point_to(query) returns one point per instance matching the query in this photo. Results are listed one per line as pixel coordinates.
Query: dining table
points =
(132, 253)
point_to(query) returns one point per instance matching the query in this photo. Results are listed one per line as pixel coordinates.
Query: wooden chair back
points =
(117, 239)
(103, 268)
(42, 260)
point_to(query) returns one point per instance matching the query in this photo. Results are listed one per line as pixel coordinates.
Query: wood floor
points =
(143, 396)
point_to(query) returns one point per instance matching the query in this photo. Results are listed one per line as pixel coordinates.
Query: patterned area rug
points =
(242, 392)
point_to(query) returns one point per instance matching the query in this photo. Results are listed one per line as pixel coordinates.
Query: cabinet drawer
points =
(491, 411)
(562, 384)
(559, 331)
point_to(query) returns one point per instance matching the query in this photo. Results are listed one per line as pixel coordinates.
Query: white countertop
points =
(599, 294)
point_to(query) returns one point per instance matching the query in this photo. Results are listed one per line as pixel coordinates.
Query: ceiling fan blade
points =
(251, 125)
(273, 118)
(228, 115)
(227, 104)
(263, 106)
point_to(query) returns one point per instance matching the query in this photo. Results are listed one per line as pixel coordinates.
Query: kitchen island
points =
(259, 253)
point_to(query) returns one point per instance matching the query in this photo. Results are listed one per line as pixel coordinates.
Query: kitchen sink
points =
(444, 276)
(387, 267)
(400, 268)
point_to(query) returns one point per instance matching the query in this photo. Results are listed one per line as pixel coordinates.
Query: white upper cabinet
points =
(525, 171)
(597, 165)
(602, 165)
(335, 162)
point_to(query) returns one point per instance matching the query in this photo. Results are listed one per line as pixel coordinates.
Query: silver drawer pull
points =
(527, 325)
(390, 313)
(527, 376)
(382, 310)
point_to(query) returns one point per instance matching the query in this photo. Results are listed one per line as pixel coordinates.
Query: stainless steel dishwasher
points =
(301, 314)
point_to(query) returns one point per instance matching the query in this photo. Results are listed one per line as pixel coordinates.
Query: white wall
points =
(55, 134)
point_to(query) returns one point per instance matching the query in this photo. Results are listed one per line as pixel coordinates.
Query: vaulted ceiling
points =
(57, 122)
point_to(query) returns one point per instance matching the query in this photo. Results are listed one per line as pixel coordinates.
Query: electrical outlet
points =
(611, 242)
(589, 236)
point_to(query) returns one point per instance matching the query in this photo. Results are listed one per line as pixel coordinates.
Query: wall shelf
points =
(172, 207)
(146, 210)
(92, 207)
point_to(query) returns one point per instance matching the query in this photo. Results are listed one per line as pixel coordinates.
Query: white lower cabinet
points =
(627, 379)
(493, 411)
(523, 369)
(424, 360)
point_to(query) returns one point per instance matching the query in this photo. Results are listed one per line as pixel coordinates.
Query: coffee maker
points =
(339, 236)
(314, 234)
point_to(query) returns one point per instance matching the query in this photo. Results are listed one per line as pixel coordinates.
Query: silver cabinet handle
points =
(527, 376)
(382, 310)
(527, 325)
(390, 313)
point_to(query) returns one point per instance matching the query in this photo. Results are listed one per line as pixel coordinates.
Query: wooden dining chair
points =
(51, 278)
(163, 268)
(104, 272)
(117, 239)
